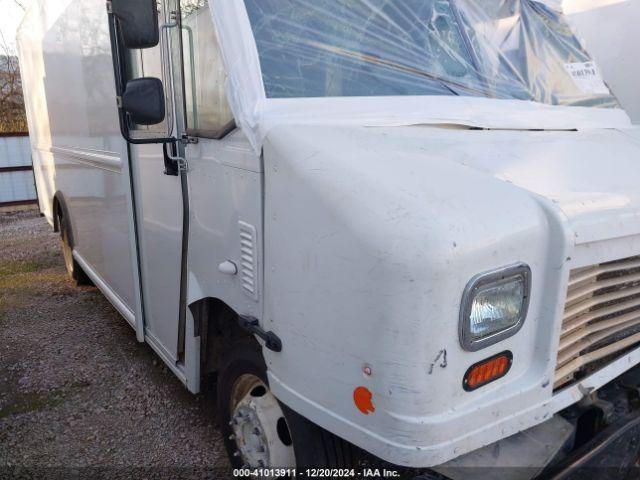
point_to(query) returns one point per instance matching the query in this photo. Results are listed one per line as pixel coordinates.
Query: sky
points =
(10, 18)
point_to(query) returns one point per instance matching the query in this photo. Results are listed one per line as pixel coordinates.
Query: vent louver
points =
(248, 260)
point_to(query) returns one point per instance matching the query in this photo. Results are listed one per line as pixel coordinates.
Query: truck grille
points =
(601, 317)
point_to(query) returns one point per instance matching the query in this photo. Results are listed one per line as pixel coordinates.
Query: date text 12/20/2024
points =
(315, 473)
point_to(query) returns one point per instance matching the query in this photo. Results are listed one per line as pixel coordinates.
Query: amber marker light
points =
(487, 371)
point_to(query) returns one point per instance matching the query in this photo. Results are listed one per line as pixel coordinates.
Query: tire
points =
(313, 447)
(74, 270)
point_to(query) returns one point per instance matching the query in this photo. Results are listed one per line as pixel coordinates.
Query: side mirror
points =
(138, 21)
(143, 100)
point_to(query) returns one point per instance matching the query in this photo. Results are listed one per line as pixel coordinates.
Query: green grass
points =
(34, 401)
(16, 267)
(21, 278)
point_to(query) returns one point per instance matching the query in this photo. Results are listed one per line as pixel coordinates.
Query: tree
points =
(187, 7)
(12, 113)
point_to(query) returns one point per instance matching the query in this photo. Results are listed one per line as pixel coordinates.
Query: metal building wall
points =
(16, 170)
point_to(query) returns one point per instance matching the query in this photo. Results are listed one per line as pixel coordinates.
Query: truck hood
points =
(592, 176)
(424, 110)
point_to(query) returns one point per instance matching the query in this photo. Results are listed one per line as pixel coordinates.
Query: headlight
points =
(494, 306)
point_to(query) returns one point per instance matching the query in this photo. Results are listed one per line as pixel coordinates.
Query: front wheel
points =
(74, 270)
(251, 419)
(259, 431)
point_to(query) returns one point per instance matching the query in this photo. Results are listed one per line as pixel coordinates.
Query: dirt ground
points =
(79, 396)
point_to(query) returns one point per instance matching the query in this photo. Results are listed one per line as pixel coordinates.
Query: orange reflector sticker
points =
(487, 371)
(362, 397)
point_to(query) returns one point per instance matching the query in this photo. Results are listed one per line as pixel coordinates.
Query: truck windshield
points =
(513, 49)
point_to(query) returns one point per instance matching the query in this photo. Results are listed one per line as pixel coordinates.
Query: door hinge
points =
(119, 101)
(183, 165)
(251, 325)
(187, 140)
(109, 7)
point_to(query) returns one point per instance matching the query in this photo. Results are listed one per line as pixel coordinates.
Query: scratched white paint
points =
(371, 235)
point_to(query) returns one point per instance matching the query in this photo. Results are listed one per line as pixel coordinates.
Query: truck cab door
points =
(209, 202)
(225, 176)
(156, 181)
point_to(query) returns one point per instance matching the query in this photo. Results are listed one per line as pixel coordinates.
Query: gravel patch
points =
(79, 396)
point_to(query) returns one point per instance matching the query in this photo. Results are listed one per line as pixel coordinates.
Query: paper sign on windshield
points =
(587, 78)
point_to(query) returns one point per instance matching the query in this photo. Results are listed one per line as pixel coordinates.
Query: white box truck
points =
(405, 231)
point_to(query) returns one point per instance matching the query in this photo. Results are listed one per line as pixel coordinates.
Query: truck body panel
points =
(453, 202)
(76, 144)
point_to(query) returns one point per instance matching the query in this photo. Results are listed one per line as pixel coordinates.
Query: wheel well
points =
(217, 325)
(60, 208)
(56, 210)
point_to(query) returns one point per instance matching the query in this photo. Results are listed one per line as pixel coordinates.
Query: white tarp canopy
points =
(391, 62)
